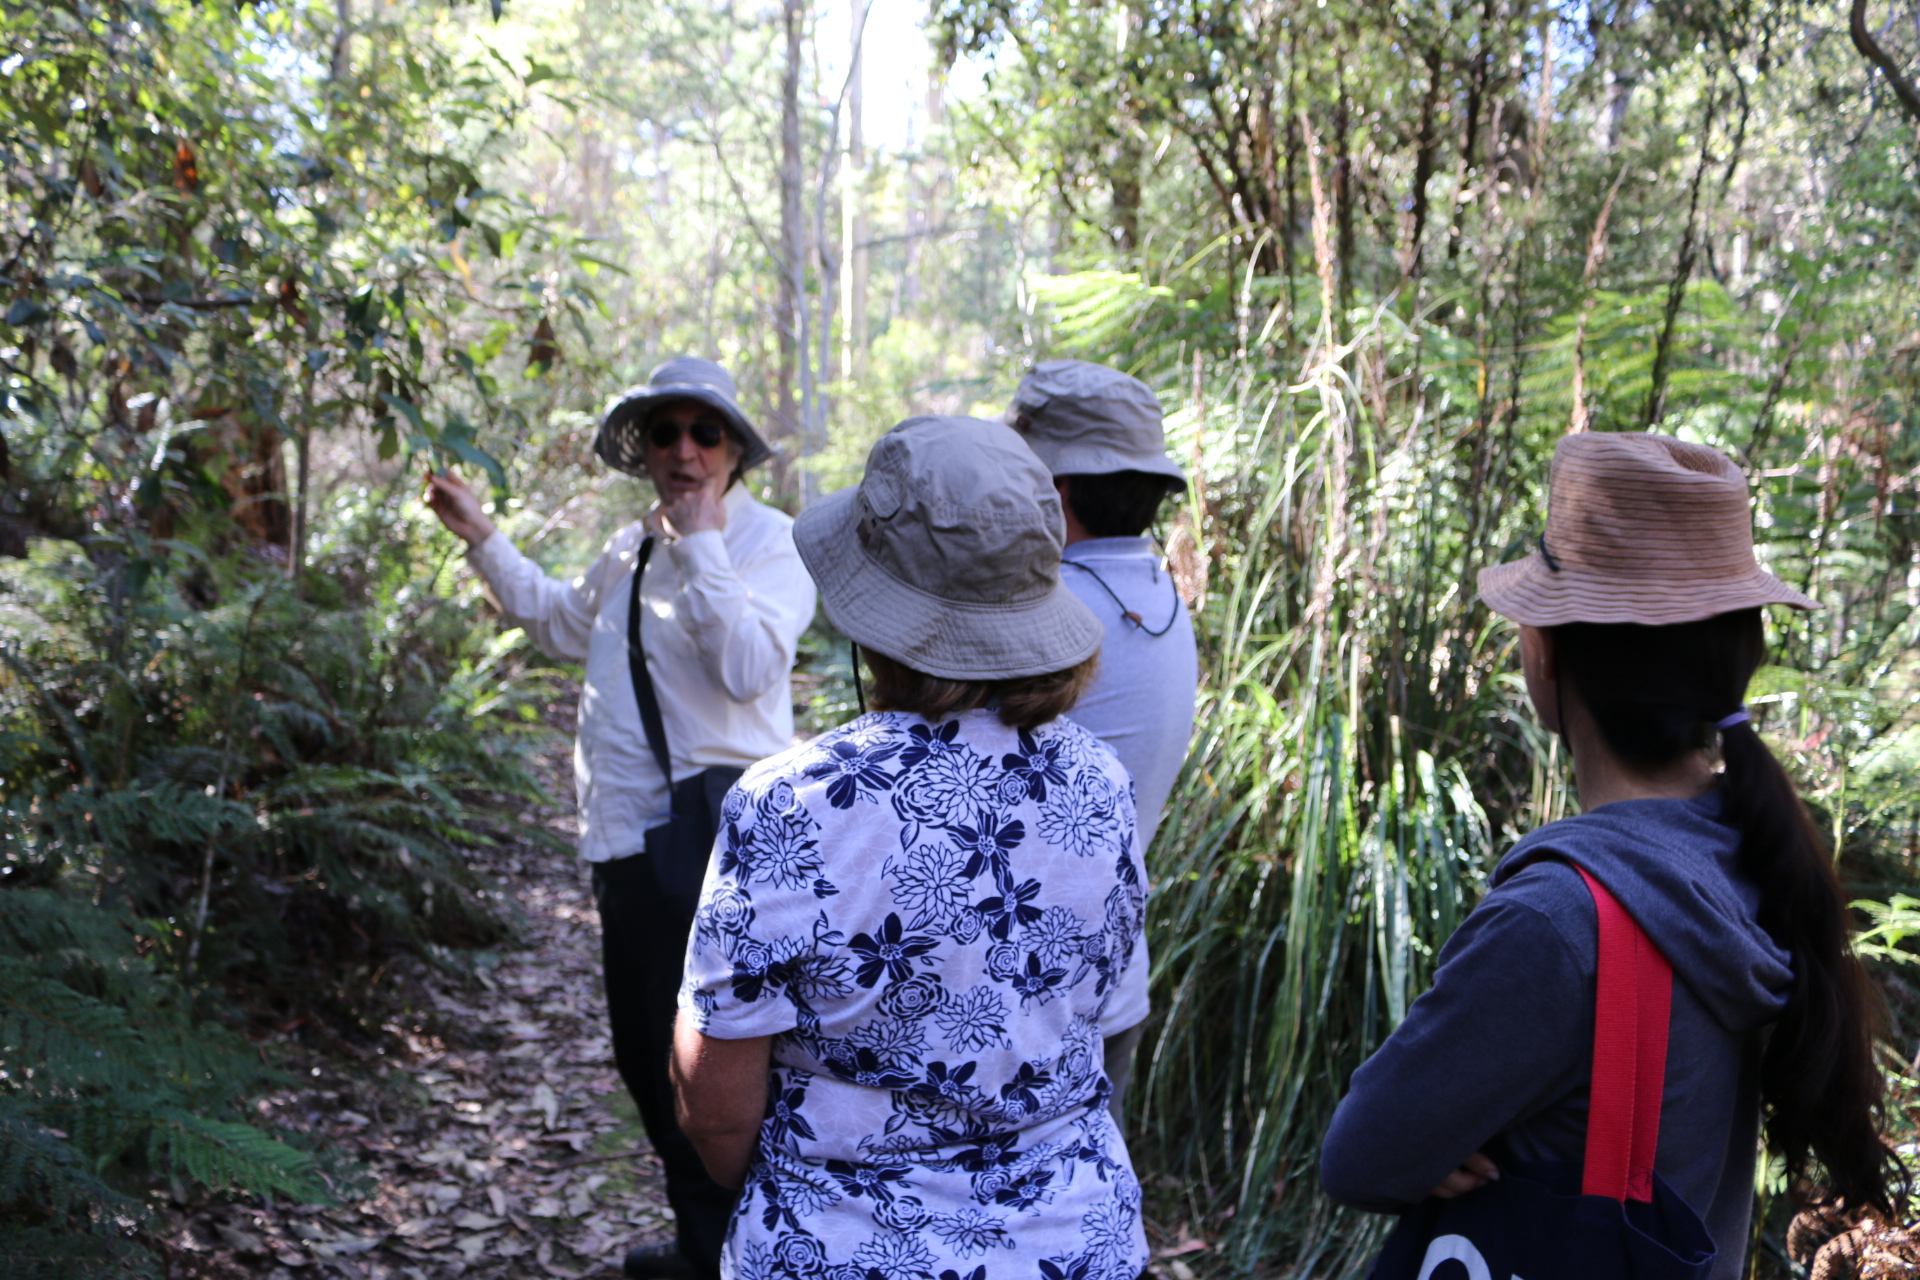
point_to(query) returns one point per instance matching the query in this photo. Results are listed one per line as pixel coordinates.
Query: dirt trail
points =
(497, 1144)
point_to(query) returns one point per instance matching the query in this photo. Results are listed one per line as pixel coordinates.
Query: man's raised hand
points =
(458, 508)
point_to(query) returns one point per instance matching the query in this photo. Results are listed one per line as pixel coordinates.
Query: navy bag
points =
(1614, 1218)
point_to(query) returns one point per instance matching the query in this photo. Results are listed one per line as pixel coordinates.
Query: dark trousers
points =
(643, 936)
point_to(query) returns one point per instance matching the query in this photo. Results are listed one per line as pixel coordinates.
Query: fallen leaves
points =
(485, 1129)
(547, 1103)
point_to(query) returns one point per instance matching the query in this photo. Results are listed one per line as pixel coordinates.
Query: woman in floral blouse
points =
(919, 928)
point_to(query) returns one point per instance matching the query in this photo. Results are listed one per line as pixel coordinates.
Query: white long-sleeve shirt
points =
(722, 614)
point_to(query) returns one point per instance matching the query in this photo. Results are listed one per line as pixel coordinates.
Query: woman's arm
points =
(720, 1096)
(745, 619)
(1498, 1037)
(557, 615)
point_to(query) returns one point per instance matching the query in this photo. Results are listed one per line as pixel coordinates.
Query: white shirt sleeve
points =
(557, 614)
(745, 620)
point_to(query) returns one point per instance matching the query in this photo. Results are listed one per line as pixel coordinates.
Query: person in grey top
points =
(1099, 434)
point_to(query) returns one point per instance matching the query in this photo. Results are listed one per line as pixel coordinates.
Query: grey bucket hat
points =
(1085, 419)
(621, 442)
(946, 556)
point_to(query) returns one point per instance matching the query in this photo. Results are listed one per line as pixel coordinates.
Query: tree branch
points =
(1870, 50)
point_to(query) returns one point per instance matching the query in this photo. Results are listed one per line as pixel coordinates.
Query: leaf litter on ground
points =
(493, 1136)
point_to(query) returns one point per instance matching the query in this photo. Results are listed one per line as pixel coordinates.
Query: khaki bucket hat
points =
(1085, 419)
(621, 441)
(946, 556)
(1640, 528)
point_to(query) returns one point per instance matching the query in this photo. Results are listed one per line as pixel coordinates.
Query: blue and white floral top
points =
(938, 923)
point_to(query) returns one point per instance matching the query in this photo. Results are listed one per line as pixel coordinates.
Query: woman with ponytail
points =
(1640, 628)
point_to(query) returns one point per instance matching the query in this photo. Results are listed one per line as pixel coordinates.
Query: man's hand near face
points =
(690, 478)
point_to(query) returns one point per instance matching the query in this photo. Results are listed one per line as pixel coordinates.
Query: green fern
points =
(333, 766)
(228, 1154)
(82, 1041)
(108, 1079)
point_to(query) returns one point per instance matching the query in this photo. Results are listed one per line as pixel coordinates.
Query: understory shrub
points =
(228, 795)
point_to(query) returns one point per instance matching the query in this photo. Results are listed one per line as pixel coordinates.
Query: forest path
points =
(499, 1145)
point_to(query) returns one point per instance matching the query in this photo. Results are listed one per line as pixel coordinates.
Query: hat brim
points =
(952, 639)
(1072, 459)
(1533, 595)
(629, 416)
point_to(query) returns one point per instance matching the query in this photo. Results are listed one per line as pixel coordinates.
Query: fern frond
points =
(64, 1035)
(57, 1253)
(42, 1167)
(225, 1154)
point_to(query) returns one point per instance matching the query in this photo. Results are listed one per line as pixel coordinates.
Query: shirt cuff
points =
(702, 554)
(492, 556)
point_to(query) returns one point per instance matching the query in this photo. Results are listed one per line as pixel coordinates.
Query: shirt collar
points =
(1110, 549)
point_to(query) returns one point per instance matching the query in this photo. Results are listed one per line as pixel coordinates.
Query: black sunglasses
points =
(706, 433)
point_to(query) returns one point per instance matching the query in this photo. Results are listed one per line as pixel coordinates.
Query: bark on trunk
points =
(1682, 273)
(1343, 201)
(1413, 257)
(793, 234)
(853, 256)
(1870, 49)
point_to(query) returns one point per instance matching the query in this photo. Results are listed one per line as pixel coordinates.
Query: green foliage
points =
(1363, 751)
(307, 777)
(1890, 923)
(225, 229)
(1376, 261)
(109, 1077)
(309, 770)
(243, 749)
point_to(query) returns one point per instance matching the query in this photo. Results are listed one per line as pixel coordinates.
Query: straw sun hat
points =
(621, 441)
(946, 556)
(1640, 528)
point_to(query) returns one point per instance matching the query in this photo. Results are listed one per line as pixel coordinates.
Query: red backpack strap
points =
(1633, 999)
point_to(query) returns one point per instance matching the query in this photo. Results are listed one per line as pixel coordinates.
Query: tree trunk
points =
(793, 234)
(1343, 200)
(1682, 273)
(1125, 177)
(1870, 49)
(303, 446)
(853, 256)
(342, 62)
(1413, 254)
(1292, 197)
(1470, 142)
(1596, 254)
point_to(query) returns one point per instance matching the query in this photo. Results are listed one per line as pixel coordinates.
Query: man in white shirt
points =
(723, 600)
(1100, 434)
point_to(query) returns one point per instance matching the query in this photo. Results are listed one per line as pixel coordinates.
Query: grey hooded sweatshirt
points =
(1496, 1057)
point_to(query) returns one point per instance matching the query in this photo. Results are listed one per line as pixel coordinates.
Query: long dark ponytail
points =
(1655, 693)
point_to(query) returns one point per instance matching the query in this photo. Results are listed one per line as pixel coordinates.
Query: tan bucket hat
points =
(621, 441)
(1085, 419)
(1640, 528)
(946, 555)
